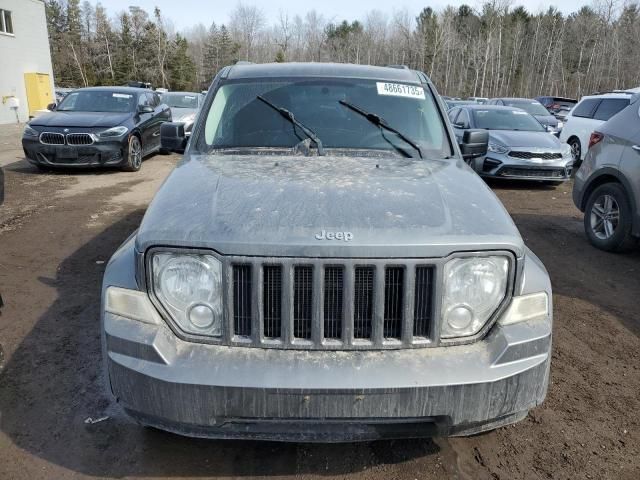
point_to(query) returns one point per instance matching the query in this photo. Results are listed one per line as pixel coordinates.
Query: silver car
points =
(519, 146)
(607, 184)
(184, 108)
(324, 266)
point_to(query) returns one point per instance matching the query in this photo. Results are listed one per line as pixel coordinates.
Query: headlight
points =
(189, 287)
(473, 289)
(566, 151)
(113, 132)
(497, 148)
(30, 132)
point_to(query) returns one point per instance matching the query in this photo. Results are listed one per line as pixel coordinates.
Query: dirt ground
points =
(57, 230)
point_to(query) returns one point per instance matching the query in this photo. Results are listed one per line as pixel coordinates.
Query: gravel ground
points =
(57, 230)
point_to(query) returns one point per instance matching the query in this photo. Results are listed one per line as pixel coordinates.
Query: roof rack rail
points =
(604, 92)
(399, 67)
(244, 62)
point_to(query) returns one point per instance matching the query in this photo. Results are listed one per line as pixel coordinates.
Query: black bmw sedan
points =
(99, 126)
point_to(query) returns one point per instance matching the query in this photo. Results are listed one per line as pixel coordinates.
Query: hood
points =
(80, 119)
(547, 120)
(280, 206)
(182, 114)
(516, 139)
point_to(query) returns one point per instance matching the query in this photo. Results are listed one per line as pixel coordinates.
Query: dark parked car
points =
(519, 147)
(607, 185)
(184, 109)
(558, 106)
(95, 127)
(533, 107)
(324, 266)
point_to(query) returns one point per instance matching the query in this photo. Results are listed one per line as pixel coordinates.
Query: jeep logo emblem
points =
(324, 235)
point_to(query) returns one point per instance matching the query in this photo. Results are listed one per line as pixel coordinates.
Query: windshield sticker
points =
(400, 90)
(120, 95)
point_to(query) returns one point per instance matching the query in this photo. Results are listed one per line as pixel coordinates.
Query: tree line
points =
(495, 50)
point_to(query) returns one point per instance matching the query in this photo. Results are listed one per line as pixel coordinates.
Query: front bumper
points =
(234, 392)
(102, 153)
(496, 165)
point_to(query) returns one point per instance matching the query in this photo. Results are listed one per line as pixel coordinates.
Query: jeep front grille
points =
(316, 304)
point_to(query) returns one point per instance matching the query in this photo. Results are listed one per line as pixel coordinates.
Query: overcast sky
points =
(186, 13)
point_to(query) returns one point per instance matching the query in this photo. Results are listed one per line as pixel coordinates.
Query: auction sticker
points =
(400, 90)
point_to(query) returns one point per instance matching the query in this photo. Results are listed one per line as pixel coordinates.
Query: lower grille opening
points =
(302, 301)
(333, 287)
(242, 300)
(363, 302)
(272, 301)
(422, 302)
(393, 302)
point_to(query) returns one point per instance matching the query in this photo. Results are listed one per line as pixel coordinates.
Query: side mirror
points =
(51, 107)
(145, 109)
(474, 145)
(172, 136)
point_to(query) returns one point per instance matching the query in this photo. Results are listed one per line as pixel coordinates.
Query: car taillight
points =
(554, 105)
(596, 137)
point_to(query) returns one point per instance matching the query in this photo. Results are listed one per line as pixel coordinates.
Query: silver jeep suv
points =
(607, 185)
(324, 266)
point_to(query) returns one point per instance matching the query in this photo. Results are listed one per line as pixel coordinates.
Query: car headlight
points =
(189, 287)
(497, 148)
(113, 132)
(566, 151)
(474, 287)
(30, 132)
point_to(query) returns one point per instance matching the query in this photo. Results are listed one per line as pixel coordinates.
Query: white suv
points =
(591, 112)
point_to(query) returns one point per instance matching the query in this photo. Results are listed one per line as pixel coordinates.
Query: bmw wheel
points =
(134, 155)
(607, 219)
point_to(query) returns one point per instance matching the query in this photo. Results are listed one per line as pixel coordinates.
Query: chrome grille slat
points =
(79, 139)
(318, 304)
(51, 138)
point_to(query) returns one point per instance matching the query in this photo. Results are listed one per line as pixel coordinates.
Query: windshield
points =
(530, 106)
(180, 100)
(506, 119)
(97, 101)
(237, 118)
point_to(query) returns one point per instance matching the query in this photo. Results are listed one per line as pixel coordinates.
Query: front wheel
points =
(576, 152)
(607, 219)
(134, 155)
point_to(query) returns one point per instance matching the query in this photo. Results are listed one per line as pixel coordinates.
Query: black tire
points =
(134, 155)
(576, 152)
(608, 219)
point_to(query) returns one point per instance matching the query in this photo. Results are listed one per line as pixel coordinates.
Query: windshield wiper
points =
(291, 117)
(382, 123)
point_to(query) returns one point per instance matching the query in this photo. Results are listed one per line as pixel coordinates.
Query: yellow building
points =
(26, 74)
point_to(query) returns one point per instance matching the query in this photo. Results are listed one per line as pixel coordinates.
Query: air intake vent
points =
(272, 301)
(302, 301)
(422, 302)
(242, 300)
(333, 287)
(363, 302)
(393, 302)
